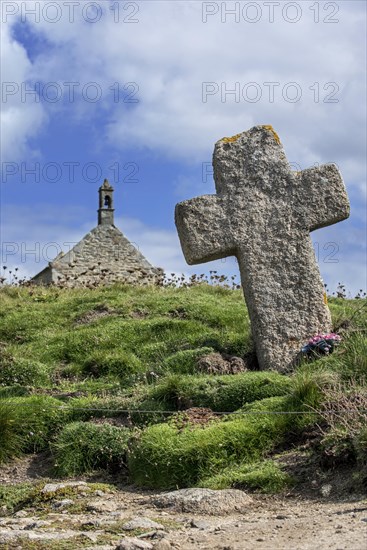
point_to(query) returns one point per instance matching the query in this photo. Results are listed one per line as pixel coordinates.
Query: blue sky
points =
(139, 92)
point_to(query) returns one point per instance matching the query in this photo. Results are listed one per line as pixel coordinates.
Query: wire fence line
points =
(143, 411)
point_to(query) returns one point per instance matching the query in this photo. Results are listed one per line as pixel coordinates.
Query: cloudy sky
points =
(140, 91)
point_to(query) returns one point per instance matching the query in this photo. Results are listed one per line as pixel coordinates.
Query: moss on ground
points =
(24, 495)
(62, 362)
(265, 476)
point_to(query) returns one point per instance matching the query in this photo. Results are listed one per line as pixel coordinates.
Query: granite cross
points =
(263, 213)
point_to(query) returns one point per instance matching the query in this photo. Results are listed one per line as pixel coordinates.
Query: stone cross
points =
(263, 213)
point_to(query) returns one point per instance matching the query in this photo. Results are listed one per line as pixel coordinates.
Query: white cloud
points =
(30, 237)
(20, 121)
(170, 52)
(49, 231)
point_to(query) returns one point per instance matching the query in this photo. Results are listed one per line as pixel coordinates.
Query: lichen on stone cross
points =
(263, 213)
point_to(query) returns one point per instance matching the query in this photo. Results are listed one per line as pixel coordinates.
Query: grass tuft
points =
(10, 442)
(83, 447)
(264, 477)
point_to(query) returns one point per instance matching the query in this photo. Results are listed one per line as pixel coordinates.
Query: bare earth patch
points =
(89, 518)
(94, 314)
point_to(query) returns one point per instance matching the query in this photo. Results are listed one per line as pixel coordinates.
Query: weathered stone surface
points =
(204, 501)
(141, 523)
(200, 524)
(54, 487)
(263, 213)
(64, 503)
(133, 543)
(102, 506)
(163, 545)
(6, 535)
(36, 524)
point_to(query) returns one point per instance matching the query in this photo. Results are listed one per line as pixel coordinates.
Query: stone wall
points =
(44, 277)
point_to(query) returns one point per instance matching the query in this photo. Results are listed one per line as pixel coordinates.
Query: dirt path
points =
(281, 525)
(82, 516)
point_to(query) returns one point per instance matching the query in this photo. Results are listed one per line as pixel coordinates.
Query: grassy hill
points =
(113, 378)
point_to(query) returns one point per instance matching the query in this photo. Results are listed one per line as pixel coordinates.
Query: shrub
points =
(309, 384)
(265, 477)
(280, 410)
(300, 409)
(165, 456)
(157, 412)
(83, 447)
(86, 408)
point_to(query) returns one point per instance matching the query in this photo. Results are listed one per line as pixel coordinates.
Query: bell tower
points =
(106, 209)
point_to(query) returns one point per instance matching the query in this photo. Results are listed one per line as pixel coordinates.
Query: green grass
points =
(164, 456)
(83, 447)
(10, 441)
(64, 364)
(120, 345)
(167, 456)
(37, 418)
(265, 477)
(224, 393)
(21, 495)
(23, 372)
(351, 360)
(13, 497)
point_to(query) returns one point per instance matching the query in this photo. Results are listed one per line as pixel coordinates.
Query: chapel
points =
(103, 256)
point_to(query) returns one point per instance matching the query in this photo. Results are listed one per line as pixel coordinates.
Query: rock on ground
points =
(204, 501)
(141, 523)
(133, 543)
